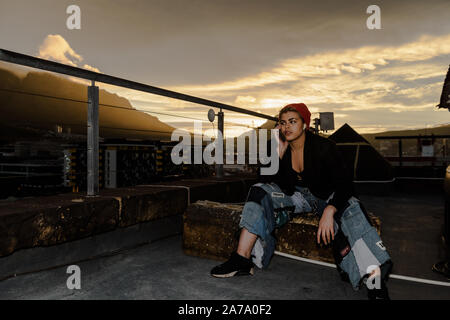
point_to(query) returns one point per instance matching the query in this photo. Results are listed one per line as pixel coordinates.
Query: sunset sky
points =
(258, 55)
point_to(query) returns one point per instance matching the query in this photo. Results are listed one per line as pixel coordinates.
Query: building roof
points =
(346, 134)
(445, 96)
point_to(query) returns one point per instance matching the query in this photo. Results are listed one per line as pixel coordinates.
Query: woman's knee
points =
(256, 194)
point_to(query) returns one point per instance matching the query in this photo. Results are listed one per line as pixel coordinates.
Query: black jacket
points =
(324, 172)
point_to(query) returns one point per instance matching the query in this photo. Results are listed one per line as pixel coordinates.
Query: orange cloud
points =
(334, 63)
(56, 48)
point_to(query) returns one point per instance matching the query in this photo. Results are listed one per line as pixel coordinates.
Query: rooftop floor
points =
(411, 228)
(161, 271)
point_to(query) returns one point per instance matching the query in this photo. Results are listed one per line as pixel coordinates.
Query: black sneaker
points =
(237, 265)
(442, 267)
(379, 294)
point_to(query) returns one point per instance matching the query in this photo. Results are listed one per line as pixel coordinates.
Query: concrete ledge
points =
(227, 189)
(211, 230)
(146, 204)
(41, 258)
(52, 220)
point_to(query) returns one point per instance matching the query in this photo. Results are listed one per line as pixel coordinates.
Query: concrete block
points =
(211, 230)
(42, 224)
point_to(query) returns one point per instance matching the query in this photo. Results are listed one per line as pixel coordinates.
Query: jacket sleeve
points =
(341, 178)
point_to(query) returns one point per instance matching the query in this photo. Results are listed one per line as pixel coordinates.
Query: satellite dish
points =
(211, 115)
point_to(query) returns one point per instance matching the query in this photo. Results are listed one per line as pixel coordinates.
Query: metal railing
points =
(401, 158)
(93, 104)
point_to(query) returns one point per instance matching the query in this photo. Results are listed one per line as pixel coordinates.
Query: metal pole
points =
(92, 141)
(30, 61)
(219, 167)
(316, 125)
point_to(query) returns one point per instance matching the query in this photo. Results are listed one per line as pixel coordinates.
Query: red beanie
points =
(302, 109)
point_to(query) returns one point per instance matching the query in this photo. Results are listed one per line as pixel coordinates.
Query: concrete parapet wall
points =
(52, 220)
(211, 230)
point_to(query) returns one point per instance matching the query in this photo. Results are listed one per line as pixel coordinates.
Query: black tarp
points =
(361, 157)
(445, 96)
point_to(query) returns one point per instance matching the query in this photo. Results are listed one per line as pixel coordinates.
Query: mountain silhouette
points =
(24, 104)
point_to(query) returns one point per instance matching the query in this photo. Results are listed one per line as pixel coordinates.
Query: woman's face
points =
(291, 125)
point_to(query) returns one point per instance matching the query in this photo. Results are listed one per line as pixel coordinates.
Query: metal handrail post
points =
(92, 141)
(219, 166)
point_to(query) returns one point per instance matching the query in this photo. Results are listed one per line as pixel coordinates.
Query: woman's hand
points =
(282, 144)
(326, 225)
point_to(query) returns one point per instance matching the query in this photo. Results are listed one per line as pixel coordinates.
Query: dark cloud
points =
(186, 42)
(169, 43)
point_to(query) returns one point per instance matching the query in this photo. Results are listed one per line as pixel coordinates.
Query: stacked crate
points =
(130, 165)
(75, 168)
(123, 165)
(164, 161)
(193, 170)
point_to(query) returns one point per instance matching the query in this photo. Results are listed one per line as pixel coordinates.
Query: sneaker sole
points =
(442, 270)
(235, 273)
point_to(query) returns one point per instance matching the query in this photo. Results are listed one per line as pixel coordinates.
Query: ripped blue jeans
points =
(271, 208)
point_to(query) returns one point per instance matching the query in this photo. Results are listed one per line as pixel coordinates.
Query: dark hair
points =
(287, 109)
